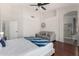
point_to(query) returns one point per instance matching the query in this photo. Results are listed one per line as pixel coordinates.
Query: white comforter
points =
(23, 47)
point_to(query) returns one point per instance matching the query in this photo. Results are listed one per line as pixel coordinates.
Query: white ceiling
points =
(58, 5)
(50, 6)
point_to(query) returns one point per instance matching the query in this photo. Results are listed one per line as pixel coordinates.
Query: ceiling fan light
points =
(43, 8)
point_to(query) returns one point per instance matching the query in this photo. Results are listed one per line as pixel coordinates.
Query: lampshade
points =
(1, 34)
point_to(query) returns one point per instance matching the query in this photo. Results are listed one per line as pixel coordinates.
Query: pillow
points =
(29, 38)
(2, 42)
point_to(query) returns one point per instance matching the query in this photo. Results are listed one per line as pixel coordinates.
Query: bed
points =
(23, 47)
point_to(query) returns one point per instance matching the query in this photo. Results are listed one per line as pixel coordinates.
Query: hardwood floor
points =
(64, 49)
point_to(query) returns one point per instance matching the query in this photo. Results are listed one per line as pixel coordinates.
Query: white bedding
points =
(17, 47)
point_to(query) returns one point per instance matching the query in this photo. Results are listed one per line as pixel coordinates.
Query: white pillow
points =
(0, 43)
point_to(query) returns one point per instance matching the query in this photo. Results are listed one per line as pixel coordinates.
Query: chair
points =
(47, 35)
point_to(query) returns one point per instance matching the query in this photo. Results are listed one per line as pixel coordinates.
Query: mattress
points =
(22, 47)
(48, 50)
(17, 47)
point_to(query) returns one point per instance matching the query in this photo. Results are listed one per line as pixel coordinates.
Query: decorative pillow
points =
(2, 42)
(29, 38)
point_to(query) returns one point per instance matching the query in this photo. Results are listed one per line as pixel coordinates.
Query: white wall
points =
(12, 12)
(31, 26)
(27, 26)
(50, 19)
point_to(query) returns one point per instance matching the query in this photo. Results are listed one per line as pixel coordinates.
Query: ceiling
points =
(50, 6)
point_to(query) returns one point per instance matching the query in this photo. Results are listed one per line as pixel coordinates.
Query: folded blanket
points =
(41, 44)
(38, 41)
(31, 38)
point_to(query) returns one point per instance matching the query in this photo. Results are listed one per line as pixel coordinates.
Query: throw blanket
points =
(38, 41)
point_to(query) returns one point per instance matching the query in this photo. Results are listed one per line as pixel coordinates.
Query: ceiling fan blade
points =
(33, 5)
(44, 3)
(43, 8)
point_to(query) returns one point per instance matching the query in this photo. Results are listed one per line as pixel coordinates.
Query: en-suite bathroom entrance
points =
(70, 26)
(71, 30)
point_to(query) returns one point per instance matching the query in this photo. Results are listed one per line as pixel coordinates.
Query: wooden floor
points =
(64, 49)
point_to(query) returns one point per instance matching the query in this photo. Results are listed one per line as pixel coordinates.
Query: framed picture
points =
(43, 25)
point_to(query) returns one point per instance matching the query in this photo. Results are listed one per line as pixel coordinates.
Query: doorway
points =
(10, 29)
(71, 35)
(70, 26)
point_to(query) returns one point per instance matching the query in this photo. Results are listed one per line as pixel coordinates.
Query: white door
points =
(13, 30)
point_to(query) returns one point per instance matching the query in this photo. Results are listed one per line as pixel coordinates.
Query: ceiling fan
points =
(40, 5)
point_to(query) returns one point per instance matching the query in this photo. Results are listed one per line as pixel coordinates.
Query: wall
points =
(31, 22)
(49, 17)
(11, 12)
(27, 26)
